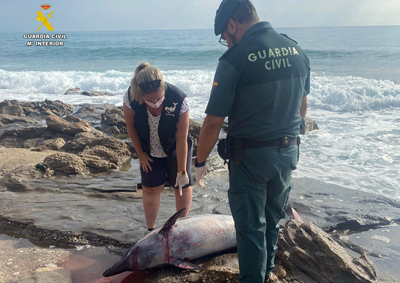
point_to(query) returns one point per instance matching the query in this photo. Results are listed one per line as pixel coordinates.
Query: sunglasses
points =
(149, 87)
(223, 41)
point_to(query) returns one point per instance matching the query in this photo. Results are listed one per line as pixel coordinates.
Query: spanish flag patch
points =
(215, 83)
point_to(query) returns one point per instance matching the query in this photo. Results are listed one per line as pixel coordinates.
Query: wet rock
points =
(9, 119)
(93, 112)
(12, 110)
(21, 262)
(72, 91)
(114, 117)
(49, 275)
(97, 162)
(311, 125)
(66, 163)
(73, 126)
(92, 93)
(82, 140)
(305, 247)
(16, 184)
(43, 107)
(104, 153)
(52, 144)
(368, 222)
(17, 137)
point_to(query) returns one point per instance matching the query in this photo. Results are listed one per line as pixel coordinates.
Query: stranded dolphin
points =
(178, 242)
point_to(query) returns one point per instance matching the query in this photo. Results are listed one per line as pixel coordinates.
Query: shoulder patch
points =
(285, 35)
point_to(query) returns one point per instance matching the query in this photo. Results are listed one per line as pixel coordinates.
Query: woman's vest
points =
(169, 118)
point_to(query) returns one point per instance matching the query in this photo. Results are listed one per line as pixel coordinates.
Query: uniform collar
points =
(257, 27)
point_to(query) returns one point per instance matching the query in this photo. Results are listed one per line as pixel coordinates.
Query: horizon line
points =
(177, 29)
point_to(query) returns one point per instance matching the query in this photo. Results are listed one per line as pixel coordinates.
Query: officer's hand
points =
(181, 181)
(145, 160)
(200, 172)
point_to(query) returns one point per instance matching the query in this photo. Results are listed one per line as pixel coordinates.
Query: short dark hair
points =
(245, 12)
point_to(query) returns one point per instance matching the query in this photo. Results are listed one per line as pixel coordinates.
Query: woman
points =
(157, 119)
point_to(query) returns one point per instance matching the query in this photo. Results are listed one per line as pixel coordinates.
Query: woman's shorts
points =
(165, 170)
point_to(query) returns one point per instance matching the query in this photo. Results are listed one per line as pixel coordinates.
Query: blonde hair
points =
(144, 73)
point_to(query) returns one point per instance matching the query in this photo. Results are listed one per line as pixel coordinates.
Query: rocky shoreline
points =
(77, 186)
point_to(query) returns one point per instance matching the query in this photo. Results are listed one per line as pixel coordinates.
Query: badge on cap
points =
(215, 83)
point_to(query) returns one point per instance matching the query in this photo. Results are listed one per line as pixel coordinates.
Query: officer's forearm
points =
(208, 136)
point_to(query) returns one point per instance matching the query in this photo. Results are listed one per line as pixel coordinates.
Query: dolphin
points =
(179, 242)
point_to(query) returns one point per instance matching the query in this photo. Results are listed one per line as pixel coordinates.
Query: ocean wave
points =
(347, 94)
(333, 93)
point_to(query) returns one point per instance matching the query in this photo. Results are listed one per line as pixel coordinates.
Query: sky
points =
(103, 15)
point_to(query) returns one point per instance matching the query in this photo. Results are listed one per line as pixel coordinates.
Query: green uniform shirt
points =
(259, 84)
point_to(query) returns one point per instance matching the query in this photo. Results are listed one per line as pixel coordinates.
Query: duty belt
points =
(280, 142)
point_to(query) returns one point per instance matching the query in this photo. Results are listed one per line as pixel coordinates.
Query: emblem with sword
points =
(44, 20)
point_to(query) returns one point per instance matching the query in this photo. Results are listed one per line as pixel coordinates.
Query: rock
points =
(311, 125)
(12, 110)
(22, 262)
(105, 154)
(194, 130)
(49, 275)
(16, 184)
(66, 163)
(72, 91)
(114, 117)
(59, 124)
(43, 107)
(52, 144)
(92, 113)
(82, 140)
(92, 93)
(17, 137)
(305, 247)
(97, 162)
(9, 119)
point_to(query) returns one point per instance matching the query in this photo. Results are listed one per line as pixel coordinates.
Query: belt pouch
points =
(225, 149)
(238, 152)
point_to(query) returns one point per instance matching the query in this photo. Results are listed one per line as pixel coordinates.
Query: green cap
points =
(224, 12)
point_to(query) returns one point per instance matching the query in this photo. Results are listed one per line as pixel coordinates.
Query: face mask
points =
(155, 105)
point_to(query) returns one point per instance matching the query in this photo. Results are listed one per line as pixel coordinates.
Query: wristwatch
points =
(182, 172)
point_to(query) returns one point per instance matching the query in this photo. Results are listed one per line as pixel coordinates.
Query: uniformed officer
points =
(261, 84)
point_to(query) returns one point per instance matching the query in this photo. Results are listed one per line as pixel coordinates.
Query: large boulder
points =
(70, 125)
(6, 119)
(47, 107)
(307, 248)
(114, 117)
(93, 112)
(12, 110)
(67, 163)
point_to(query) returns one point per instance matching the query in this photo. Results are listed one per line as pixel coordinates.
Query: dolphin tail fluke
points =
(119, 267)
(170, 222)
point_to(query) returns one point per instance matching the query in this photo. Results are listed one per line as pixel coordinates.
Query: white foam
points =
(353, 93)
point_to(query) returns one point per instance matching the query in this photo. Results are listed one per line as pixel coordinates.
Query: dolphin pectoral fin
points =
(123, 265)
(185, 264)
(171, 221)
(296, 216)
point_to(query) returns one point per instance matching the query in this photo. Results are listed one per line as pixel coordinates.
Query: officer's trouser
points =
(258, 192)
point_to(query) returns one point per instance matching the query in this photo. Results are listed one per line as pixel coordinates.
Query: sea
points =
(354, 98)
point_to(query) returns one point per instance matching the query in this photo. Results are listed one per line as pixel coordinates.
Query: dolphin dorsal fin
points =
(171, 221)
